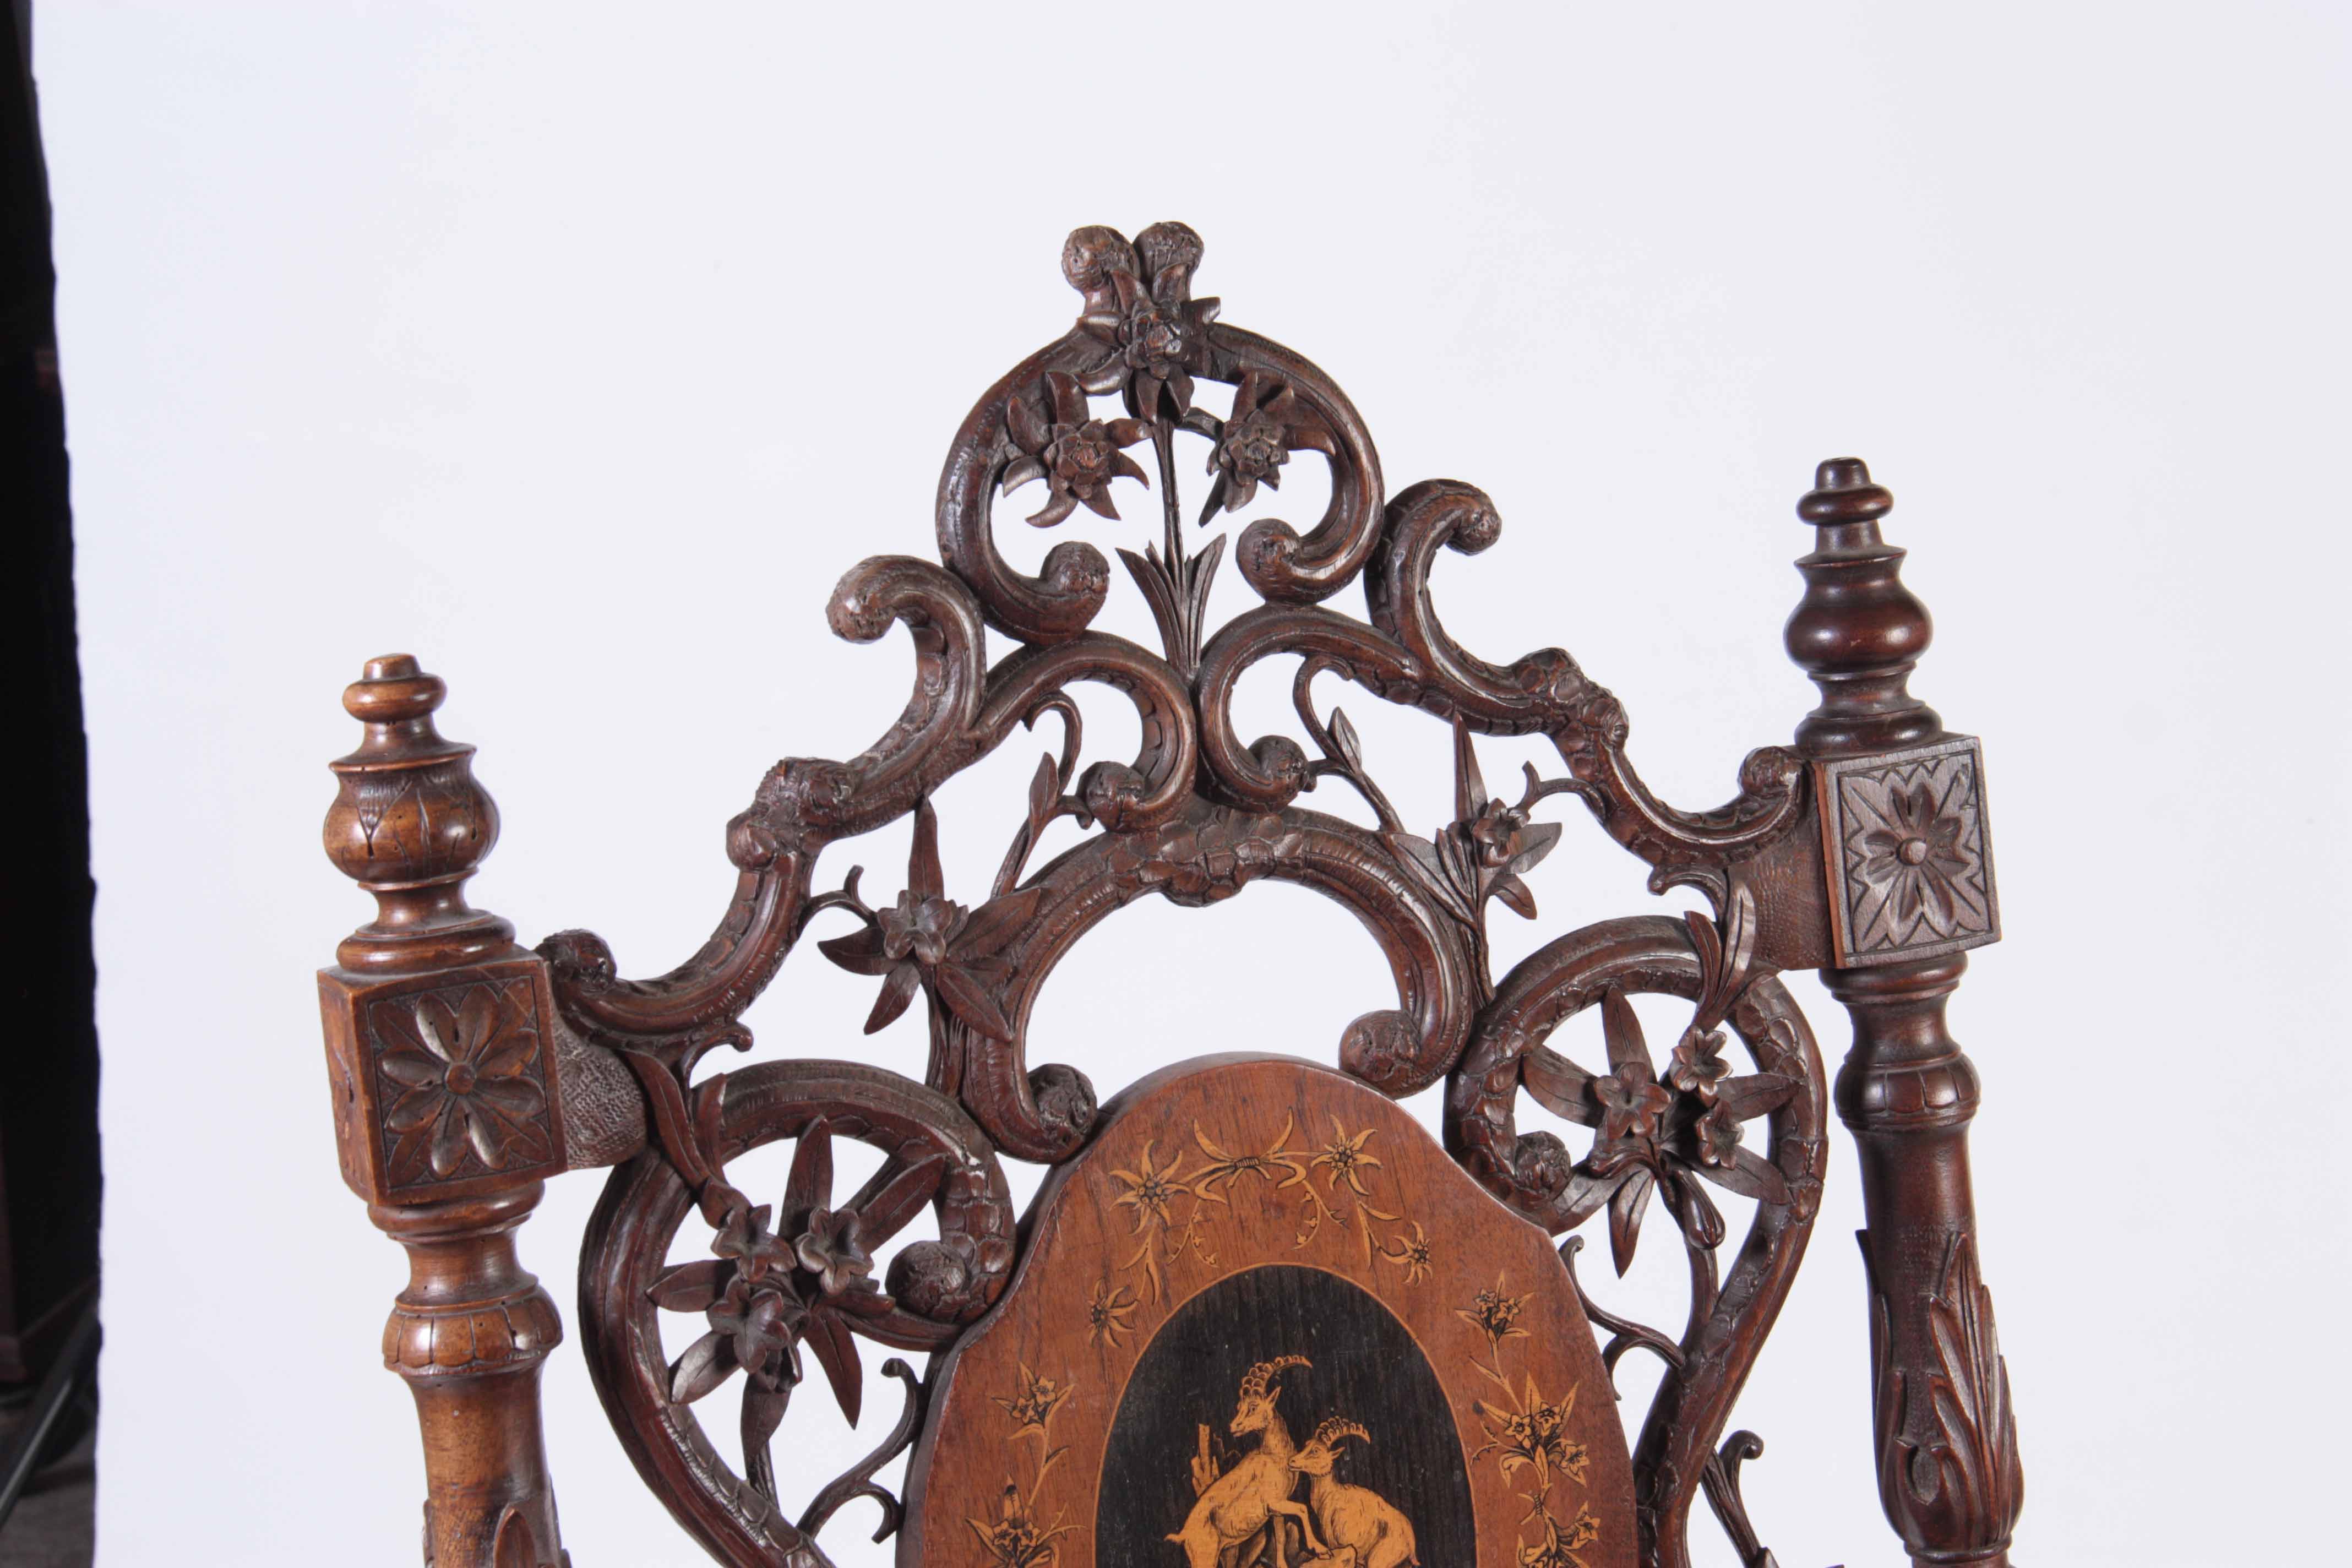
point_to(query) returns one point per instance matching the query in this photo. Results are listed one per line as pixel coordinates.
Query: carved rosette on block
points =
(1908, 853)
(440, 1058)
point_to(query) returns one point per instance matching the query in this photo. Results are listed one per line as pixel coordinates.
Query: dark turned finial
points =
(1858, 631)
(410, 824)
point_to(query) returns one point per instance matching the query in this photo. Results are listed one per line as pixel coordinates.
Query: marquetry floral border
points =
(1174, 1205)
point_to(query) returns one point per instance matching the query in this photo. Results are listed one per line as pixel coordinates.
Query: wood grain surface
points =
(1236, 1211)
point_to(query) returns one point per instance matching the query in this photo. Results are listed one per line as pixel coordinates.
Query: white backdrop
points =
(579, 349)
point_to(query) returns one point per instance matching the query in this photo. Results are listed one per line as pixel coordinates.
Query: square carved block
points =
(1908, 854)
(444, 1082)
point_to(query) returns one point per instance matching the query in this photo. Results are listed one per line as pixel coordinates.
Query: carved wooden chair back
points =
(1256, 1315)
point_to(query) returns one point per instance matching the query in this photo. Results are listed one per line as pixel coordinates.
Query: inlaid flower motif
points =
(926, 941)
(1108, 1311)
(1077, 455)
(1151, 1190)
(1215, 1180)
(1534, 1436)
(1034, 1403)
(1496, 1314)
(1344, 1158)
(463, 1082)
(1414, 1253)
(1015, 1540)
(1561, 1541)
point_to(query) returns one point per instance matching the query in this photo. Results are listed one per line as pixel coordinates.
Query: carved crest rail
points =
(466, 1070)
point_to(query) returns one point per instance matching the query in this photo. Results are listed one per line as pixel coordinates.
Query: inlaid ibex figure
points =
(1356, 1521)
(1254, 1494)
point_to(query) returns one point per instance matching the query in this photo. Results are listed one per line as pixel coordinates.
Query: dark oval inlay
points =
(1365, 1368)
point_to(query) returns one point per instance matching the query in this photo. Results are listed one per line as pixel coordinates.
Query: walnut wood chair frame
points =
(468, 1070)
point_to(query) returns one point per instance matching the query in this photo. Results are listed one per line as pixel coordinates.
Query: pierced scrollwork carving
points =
(1667, 1133)
(1195, 815)
(800, 1273)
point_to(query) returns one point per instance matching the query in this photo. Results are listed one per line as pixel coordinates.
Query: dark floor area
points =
(53, 1524)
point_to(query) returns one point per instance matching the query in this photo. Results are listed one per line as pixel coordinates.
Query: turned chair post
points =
(446, 1117)
(1910, 889)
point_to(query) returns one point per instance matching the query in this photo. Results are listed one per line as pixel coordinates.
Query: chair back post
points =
(447, 1117)
(1908, 862)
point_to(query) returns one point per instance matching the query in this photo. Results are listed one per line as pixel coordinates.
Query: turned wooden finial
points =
(410, 824)
(1858, 631)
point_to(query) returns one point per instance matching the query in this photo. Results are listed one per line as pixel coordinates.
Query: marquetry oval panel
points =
(1263, 1318)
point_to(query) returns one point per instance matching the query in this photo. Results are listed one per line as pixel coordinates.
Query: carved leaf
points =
(995, 922)
(860, 953)
(886, 1210)
(836, 1352)
(707, 1363)
(1045, 791)
(965, 998)
(1515, 896)
(809, 1188)
(1750, 1176)
(1631, 1201)
(1560, 1086)
(897, 990)
(1344, 742)
(691, 1286)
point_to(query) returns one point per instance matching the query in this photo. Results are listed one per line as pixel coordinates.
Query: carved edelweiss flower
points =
(1075, 455)
(1157, 332)
(1698, 1067)
(1656, 1139)
(1717, 1134)
(829, 1249)
(1480, 854)
(461, 1077)
(1495, 832)
(759, 1320)
(1108, 1311)
(1033, 1405)
(927, 940)
(1631, 1102)
(1496, 1314)
(1914, 856)
(1344, 1158)
(1268, 423)
(745, 1237)
(763, 1295)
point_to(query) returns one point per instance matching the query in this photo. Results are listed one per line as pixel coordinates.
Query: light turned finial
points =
(410, 824)
(1858, 631)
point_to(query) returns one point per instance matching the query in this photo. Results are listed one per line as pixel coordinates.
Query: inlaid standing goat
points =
(1357, 1520)
(1254, 1494)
